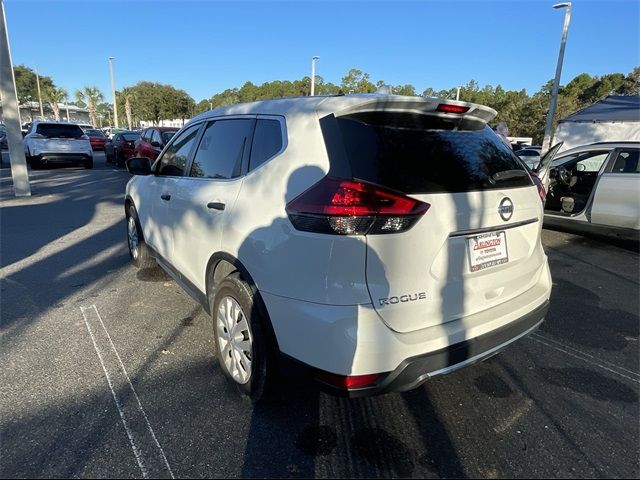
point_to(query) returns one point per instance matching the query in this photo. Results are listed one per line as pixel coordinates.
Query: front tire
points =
(138, 251)
(239, 332)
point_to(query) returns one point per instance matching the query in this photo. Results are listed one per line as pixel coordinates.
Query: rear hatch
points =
(60, 138)
(477, 245)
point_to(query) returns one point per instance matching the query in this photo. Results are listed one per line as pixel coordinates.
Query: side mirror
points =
(155, 144)
(139, 166)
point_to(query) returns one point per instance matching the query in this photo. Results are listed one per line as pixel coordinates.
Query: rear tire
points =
(35, 163)
(139, 253)
(240, 337)
(88, 164)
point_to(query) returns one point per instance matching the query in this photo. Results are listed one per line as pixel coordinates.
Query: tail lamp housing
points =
(352, 207)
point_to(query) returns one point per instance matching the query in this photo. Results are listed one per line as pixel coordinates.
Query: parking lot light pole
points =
(313, 75)
(39, 95)
(11, 113)
(113, 93)
(546, 143)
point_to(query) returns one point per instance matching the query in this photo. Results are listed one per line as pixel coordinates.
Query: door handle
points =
(165, 196)
(216, 205)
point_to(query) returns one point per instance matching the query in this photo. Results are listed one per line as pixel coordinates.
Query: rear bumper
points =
(66, 157)
(354, 341)
(416, 370)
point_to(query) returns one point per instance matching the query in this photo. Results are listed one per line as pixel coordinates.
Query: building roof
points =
(614, 108)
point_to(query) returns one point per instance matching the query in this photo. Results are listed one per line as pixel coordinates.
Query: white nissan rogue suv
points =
(373, 241)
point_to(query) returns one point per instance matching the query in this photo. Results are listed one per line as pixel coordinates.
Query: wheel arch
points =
(225, 264)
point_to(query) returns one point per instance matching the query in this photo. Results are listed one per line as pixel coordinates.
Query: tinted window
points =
(176, 155)
(220, 152)
(94, 133)
(423, 154)
(155, 137)
(130, 137)
(52, 130)
(166, 136)
(267, 141)
(627, 161)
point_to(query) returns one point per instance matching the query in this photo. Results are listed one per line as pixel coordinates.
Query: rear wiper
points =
(508, 174)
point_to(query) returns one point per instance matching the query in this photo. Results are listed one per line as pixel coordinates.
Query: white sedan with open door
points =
(595, 188)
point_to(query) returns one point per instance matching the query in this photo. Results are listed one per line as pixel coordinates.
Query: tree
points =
(92, 96)
(155, 102)
(356, 81)
(26, 84)
(55, 96)
(631, 85)
(126, 96)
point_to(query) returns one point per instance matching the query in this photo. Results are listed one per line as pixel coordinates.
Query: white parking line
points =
(146, 448)
(584, 357)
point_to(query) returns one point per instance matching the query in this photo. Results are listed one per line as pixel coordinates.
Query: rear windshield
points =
(130, 137)
(59, 131)
(166, 136)
(94, 133)
(420, 154)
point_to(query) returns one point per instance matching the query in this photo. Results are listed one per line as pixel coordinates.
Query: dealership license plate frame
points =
(476, 263)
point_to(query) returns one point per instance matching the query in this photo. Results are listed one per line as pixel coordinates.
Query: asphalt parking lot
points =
(110, 372)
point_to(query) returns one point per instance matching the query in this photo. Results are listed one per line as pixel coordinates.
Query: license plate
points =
(487, 250)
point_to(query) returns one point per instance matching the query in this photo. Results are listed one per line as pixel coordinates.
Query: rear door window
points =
(627, 161)
(418, 154)
(221, 149)
(59, 131)
(267, 141)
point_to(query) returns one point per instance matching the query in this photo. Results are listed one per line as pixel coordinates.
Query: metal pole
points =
(113, 93)
(11, 113)
(39, 95)
(546, 143)
(458, 94)
(66, 104)
(313, 75)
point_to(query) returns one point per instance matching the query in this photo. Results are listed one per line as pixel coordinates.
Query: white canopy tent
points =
(616, 118)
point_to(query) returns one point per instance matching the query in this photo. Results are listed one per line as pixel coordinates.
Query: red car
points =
(96, 138)
(152, 141)
(121, 147)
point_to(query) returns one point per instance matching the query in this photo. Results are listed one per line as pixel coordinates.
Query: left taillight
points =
(350, 207)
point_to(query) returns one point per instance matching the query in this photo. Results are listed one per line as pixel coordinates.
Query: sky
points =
(204, 47)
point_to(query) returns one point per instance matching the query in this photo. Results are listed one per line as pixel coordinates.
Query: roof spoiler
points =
(438, 107)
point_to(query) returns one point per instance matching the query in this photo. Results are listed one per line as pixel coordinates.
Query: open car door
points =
(542, 170)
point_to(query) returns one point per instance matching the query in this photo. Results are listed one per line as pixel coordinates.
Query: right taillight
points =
(540, 187)
(349, 207)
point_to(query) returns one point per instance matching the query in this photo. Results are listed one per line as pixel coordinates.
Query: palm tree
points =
(55, 96)
(91, 96)
(127, 95)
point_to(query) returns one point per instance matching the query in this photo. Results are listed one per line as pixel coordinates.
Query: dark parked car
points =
(153, 140)
(97, 138)
(121, 147)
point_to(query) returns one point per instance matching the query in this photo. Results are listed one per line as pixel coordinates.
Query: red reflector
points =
(447, 108)
(348, 381)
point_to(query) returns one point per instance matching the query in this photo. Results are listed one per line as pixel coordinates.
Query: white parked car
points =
(529, 156)
(596, 188)
(52, 142)
(375, 241)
